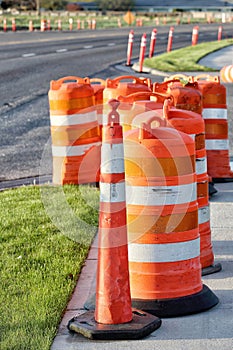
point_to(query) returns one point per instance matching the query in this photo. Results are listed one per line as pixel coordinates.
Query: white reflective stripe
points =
(203, 215)
(214, 113)
(64, 151)
(161, 195)
(170, 252)
(219, 145)
(113, 193)
(114, 155)
(201, 165)
(228, 74)
(73, 119)
(231, 165)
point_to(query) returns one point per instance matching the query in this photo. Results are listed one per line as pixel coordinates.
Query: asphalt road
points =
(29, 61)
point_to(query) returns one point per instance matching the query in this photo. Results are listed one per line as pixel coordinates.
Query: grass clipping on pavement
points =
(186, 59)
(39, 262)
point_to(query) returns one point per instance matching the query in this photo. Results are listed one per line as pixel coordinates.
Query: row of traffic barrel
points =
(154, 149)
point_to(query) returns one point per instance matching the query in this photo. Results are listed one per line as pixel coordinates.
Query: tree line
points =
(102, 5)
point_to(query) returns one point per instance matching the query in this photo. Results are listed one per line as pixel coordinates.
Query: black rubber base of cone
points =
(211, 269)
(222, 179)
(141, 325)
(212, 189)
(187, 305)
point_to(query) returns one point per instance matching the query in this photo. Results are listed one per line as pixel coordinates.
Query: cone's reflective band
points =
(184, 96)
(98, 85)
(226, 74)
(74, 131)
(216, 127)
(134, 104)
(113, 301)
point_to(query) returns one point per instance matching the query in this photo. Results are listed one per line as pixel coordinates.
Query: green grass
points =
(39, 263)
(186, 59)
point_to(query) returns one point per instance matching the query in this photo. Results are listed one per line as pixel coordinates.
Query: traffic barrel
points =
(137, 103)
(180, 86)
(142, 52)
(125, 85)
(226, 74)
(162, 216)
(195, 35)
(122, 86)
(113, 317)
(130, 48)
(93, 24)
(152, 42)
(216, 127)
(193, 124)
(78, 24)
(185, 94)
(170, 39)
(74, 131)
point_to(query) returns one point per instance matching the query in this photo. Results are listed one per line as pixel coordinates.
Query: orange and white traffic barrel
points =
(113, 317)
(75, 132)
(185, 95)
(216, 127)
(162, 216)
(192, 124)
(226, 74)
(122, 86)
(134, 104)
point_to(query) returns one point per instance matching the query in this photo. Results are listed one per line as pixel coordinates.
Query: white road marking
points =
(28, 54)
(88, 47)
(111, 44)
(61, 50)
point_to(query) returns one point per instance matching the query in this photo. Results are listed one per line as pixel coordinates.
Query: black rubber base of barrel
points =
(141, 325)
(211, 269)
(212, 189)
(187, 305)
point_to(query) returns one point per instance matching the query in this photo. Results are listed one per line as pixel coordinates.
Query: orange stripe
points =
(165, 280)
(70, 105)
(161, 210)
(112, 178)
(73, 135)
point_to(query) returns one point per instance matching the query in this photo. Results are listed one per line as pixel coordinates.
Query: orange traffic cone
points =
(113, 317)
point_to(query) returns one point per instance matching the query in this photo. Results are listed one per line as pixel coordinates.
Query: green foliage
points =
(186, 59)
(115, 5)
(53, 4)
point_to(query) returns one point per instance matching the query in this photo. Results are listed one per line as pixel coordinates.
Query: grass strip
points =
(186, 59)
(39, 264)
